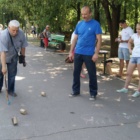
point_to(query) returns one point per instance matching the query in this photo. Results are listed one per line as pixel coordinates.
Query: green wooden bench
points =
(57, 41)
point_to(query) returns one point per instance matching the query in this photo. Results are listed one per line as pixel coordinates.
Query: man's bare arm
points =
(74, 41)
(3, 62)
(23, 51)
(98, 45)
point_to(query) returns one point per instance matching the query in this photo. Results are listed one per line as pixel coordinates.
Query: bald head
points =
(87, 8)
(86, 13)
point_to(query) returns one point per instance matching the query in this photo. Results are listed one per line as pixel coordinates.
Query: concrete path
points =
(113, 116)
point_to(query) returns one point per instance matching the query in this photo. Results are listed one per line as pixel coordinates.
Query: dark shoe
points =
(12, 94)
(92, 98)
(73, 95)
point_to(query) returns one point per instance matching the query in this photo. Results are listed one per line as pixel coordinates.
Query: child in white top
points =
(134, 61)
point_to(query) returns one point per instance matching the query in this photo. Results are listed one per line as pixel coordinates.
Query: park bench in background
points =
(57, 42)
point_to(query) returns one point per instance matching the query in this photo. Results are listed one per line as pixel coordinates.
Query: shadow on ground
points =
(105, 46)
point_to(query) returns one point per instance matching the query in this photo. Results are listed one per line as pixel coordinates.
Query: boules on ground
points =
(14, 121)
(23, 111)
(43, 94)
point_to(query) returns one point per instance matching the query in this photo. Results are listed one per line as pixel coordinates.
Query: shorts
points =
(135, 60)
(45, 41)
(123, 53)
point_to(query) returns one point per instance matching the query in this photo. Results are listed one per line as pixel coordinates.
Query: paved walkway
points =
(113, 116)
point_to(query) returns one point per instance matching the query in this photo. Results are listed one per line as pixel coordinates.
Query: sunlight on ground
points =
(105, 46)
(105, 36)
(118, 99)
(19, 78)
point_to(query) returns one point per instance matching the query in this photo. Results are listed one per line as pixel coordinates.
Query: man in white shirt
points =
(123, 51)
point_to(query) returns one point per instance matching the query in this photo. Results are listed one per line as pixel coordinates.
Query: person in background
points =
(1, 27)
(41, 37)
(12, 41)
(47, 36)
(87, 33)
(123, 52)
(33, 31)
(134, 61)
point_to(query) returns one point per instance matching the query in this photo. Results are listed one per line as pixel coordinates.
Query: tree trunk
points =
(96, 10)
(78, 11)
(114, 31)
(113, 24)
(136, 14)
(124, 14)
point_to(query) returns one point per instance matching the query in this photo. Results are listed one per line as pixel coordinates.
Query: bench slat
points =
(57, 37)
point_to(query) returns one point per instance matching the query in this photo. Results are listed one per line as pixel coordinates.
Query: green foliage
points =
(60, 14)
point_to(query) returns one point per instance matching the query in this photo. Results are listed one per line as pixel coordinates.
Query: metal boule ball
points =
(23, 111)
(14, 121)
(43, 94)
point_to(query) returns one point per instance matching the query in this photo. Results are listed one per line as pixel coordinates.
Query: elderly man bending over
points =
(12, 41)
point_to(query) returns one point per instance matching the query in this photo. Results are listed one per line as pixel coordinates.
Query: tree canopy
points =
(63, 15)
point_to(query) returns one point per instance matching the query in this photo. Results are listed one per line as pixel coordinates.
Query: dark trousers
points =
(41, 43)
(12, 71)
(91, 68)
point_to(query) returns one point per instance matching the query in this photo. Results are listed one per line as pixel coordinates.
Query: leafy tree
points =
(112, 10)
(63, 15)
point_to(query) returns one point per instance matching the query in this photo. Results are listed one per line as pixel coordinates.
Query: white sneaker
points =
(123, 90)
(136, 94)
(92, 98)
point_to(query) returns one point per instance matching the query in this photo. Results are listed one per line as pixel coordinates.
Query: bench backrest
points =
(57, 37)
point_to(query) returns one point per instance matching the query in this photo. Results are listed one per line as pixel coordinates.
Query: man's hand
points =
(95, 57)
(123, 41)
(22, 60)
(118, 39)
(71, 56)
(4, 70)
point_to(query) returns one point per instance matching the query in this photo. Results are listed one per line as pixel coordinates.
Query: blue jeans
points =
(12, 71)
(91, 68)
